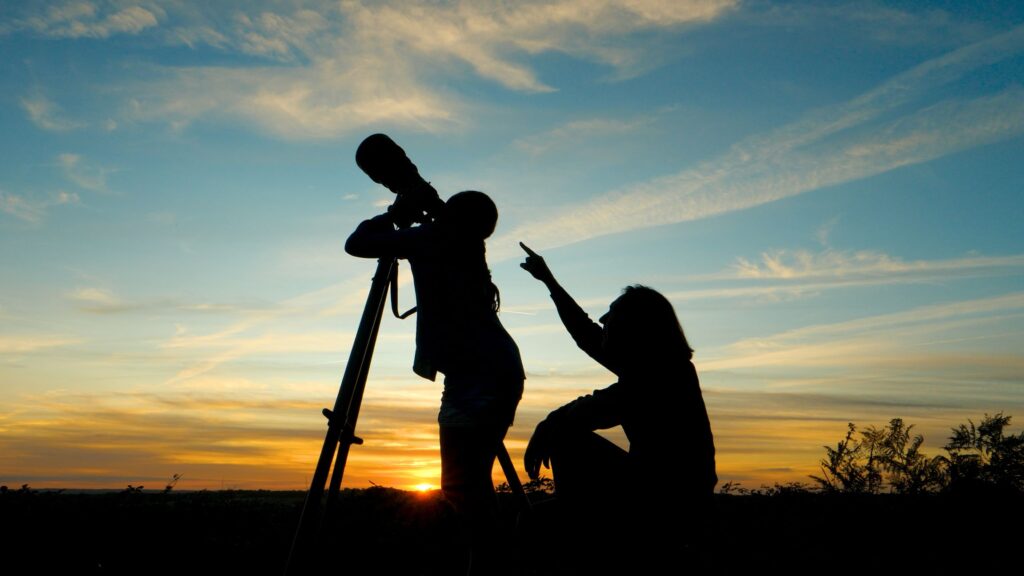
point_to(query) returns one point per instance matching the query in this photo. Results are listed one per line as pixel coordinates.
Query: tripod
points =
(341, 424)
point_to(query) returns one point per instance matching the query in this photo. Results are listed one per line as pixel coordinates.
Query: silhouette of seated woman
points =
(654, 499)
(457, 330)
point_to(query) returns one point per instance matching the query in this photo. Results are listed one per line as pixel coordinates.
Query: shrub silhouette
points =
(909, 470)
(984, 457)
(777, 489)
(542, 484)
(851, 467)
(173, 482)
(979, 457)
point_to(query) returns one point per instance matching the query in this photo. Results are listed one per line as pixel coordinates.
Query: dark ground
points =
(385, 531)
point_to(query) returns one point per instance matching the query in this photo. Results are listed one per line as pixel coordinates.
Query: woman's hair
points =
(469, 218)
(650, 324)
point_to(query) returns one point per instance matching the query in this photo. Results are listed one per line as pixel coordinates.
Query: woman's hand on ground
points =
(538, 450)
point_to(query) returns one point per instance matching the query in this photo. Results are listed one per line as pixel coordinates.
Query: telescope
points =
(387, 164)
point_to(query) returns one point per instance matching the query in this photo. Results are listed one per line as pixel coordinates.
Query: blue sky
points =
(828, 192)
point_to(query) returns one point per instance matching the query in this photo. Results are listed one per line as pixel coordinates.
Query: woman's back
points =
(667, 425)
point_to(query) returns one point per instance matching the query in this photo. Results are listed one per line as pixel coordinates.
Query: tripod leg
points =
(352, 417)
(513, 479)
(341, 421)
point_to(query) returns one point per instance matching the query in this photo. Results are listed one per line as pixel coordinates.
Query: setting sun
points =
(424, 487)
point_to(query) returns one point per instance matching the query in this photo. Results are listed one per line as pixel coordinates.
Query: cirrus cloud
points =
(342, 67)
(81, 19)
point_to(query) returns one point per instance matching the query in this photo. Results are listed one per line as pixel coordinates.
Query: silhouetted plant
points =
(732, 488)
(979, 457)
(984, 456)
(776, 489)
(852, 466)
(170, 485)
(888, 456)
(790, 488)
(909, 470)
(541, 484)
(132, 490)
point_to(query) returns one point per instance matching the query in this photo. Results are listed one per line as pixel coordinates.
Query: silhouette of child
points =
(458, 334)
(658, 402)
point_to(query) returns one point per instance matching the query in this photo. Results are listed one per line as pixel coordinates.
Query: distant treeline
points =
(979, 458)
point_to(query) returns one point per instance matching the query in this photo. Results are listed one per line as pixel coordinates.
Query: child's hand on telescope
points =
(404, 212)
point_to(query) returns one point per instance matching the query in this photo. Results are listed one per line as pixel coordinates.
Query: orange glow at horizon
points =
(101, 441)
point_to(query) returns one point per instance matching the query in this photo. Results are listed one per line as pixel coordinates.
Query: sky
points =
(828, 192)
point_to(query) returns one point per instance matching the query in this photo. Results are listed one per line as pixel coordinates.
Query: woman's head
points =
(641, 327)
(471, 214)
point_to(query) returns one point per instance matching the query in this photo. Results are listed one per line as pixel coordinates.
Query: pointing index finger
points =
(527, 249)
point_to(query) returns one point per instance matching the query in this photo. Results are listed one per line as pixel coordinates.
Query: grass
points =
(387, 531)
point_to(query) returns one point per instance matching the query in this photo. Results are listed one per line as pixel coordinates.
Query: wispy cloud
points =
(99, 300)
(47, 115)
(879, 21)
(765, 436)
(21, 344)
(916, 316)
(487, 36)
(281, 32)
(850, 141)
(98, 438)
(784, 275)
(83, 19)
(281, 37)
(934, 365)
(94, 296)
(86, 176)
(261, 440)
(352, 65)
(261, 332)
(574, 132)
(20, 207)
(855, 343)
(325, 99)
(33, 210)
(840, 264)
